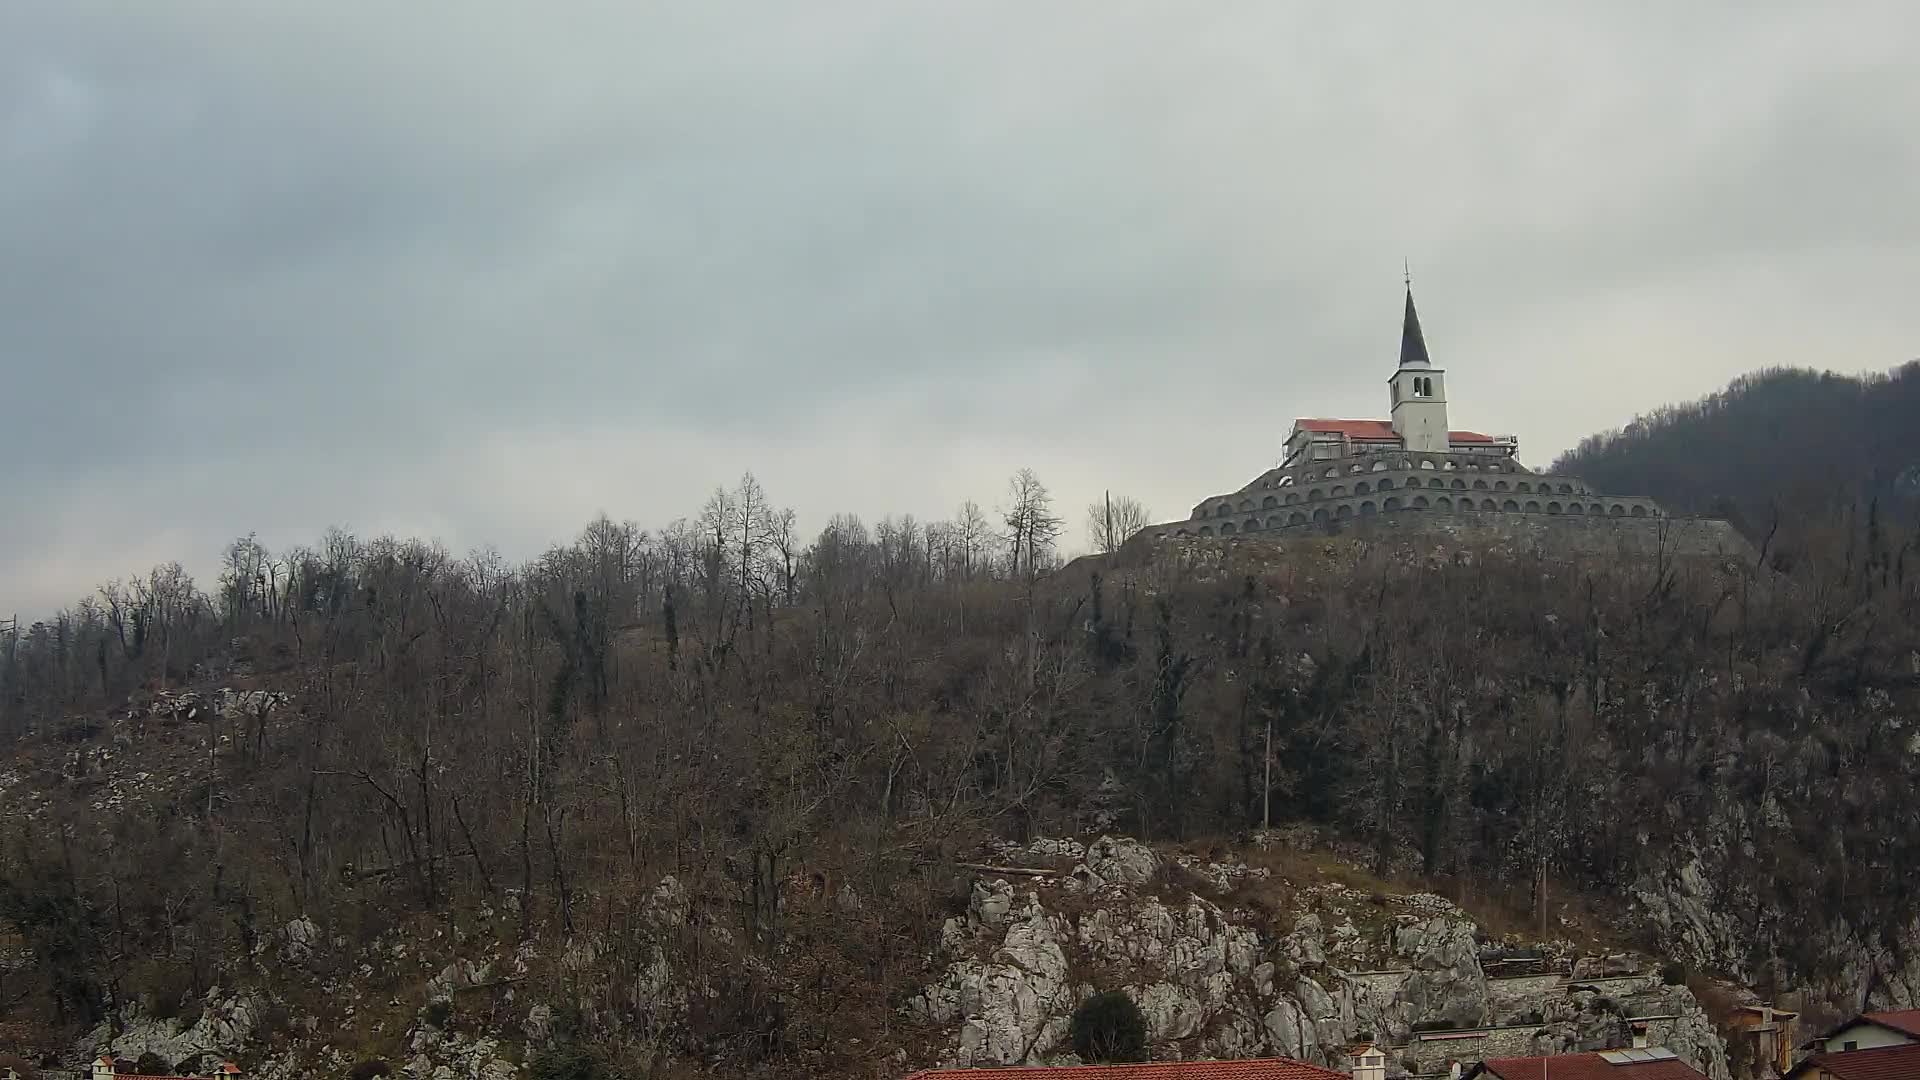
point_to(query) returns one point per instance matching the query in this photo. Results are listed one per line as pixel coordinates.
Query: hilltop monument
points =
(1411, 470)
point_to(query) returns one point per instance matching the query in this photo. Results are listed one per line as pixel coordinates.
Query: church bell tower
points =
(1419, 390)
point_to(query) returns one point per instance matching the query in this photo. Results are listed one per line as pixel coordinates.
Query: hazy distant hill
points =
(1801, 439)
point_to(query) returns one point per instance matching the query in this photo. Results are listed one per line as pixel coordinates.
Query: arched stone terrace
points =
(1321, 493)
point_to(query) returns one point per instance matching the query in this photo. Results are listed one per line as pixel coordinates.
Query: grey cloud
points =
(481, 270)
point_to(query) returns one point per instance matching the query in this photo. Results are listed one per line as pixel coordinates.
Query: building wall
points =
(1420, 421)
(1868, 1036)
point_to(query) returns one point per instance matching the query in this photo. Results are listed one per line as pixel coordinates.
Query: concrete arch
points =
(1330, 474)
(1320, 515)
(1639, 511)
(1419, 502)
(1269, 503)
(1206, 530)
(1616, 510)
(1338, 490)
(1488, 504)
(1360, 488)
(1367, 509)
(1379, 465)
(1344, 510)
(1426, 463)
(1566, 489)
(1553, 507)
(1393, 503)
(1296, 518)
(1386, 483)
(1577, 508)
(1444, 503)
(1226, 528)
(1597, 509)
(1459, 484)
(1250, 525)
(1316, 495)
(1533, 506)
(1291, 497)
(1285, 481)
(1356, 467)
(1524, 486)
(1500, 485)
(1223, 510)
(1246, 504)
(1510, 507)
(1436, 482)
(1479, 485)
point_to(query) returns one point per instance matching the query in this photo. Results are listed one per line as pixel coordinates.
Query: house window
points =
(1850, 1046)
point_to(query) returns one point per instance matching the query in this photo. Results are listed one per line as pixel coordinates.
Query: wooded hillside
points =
(754, 714)
(1792, 440)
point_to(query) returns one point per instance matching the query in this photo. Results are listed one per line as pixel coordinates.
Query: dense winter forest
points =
(744, 708)
(1783, 441)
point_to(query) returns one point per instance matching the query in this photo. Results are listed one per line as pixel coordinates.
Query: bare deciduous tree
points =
(1113, 519)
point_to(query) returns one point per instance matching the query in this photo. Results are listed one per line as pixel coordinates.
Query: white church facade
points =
(1337, 471)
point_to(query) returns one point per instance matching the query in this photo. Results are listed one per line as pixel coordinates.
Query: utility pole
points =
(1266, 781)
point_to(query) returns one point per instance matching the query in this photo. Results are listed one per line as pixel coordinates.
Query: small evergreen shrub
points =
(369, 1069)
(152, 1064)
(1673, 973)
(438, 1013)
(1108, 1029)
(569, 1062)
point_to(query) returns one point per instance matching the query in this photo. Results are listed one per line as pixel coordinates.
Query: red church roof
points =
(1381, 430)
(1264, 1069)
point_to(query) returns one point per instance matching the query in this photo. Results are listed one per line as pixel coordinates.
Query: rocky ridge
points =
(1215, 980)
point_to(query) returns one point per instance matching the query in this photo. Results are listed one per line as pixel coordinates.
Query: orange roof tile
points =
(1880, 1063)
(1589, 1067)
(1261, 1069)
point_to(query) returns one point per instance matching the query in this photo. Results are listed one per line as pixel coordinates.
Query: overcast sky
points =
(481, 270)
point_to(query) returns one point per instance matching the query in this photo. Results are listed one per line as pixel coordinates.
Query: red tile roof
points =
(1902, 1020)
(1880, 1063)
(1264, 1069)
(1589, 1067)
(1352, 429)
(1376, 429)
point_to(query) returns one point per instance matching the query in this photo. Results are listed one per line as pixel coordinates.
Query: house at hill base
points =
(106, 1067)
(1871, 1046)
(1868, 1031)
(1638, 1064)
(1259, 1069)
(1411, 470)
(1900, 1062)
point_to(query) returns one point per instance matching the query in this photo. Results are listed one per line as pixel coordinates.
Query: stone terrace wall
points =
(1567, 535)
(1554, 535)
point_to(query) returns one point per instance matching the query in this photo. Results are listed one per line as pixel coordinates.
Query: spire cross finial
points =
(1408, 265)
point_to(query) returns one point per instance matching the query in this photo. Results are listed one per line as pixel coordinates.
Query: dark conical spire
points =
(1413, 344)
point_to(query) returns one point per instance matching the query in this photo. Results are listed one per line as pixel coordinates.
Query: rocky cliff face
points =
(1223, 958)
(1217, 981)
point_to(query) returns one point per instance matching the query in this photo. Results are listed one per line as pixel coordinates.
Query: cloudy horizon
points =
(479, 272)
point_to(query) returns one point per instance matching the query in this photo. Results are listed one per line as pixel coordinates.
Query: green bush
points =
(569, 1063)
(371, 1068)
(438, 1013)
(1673, 973)
(152, 1064)
(1108, 1028)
